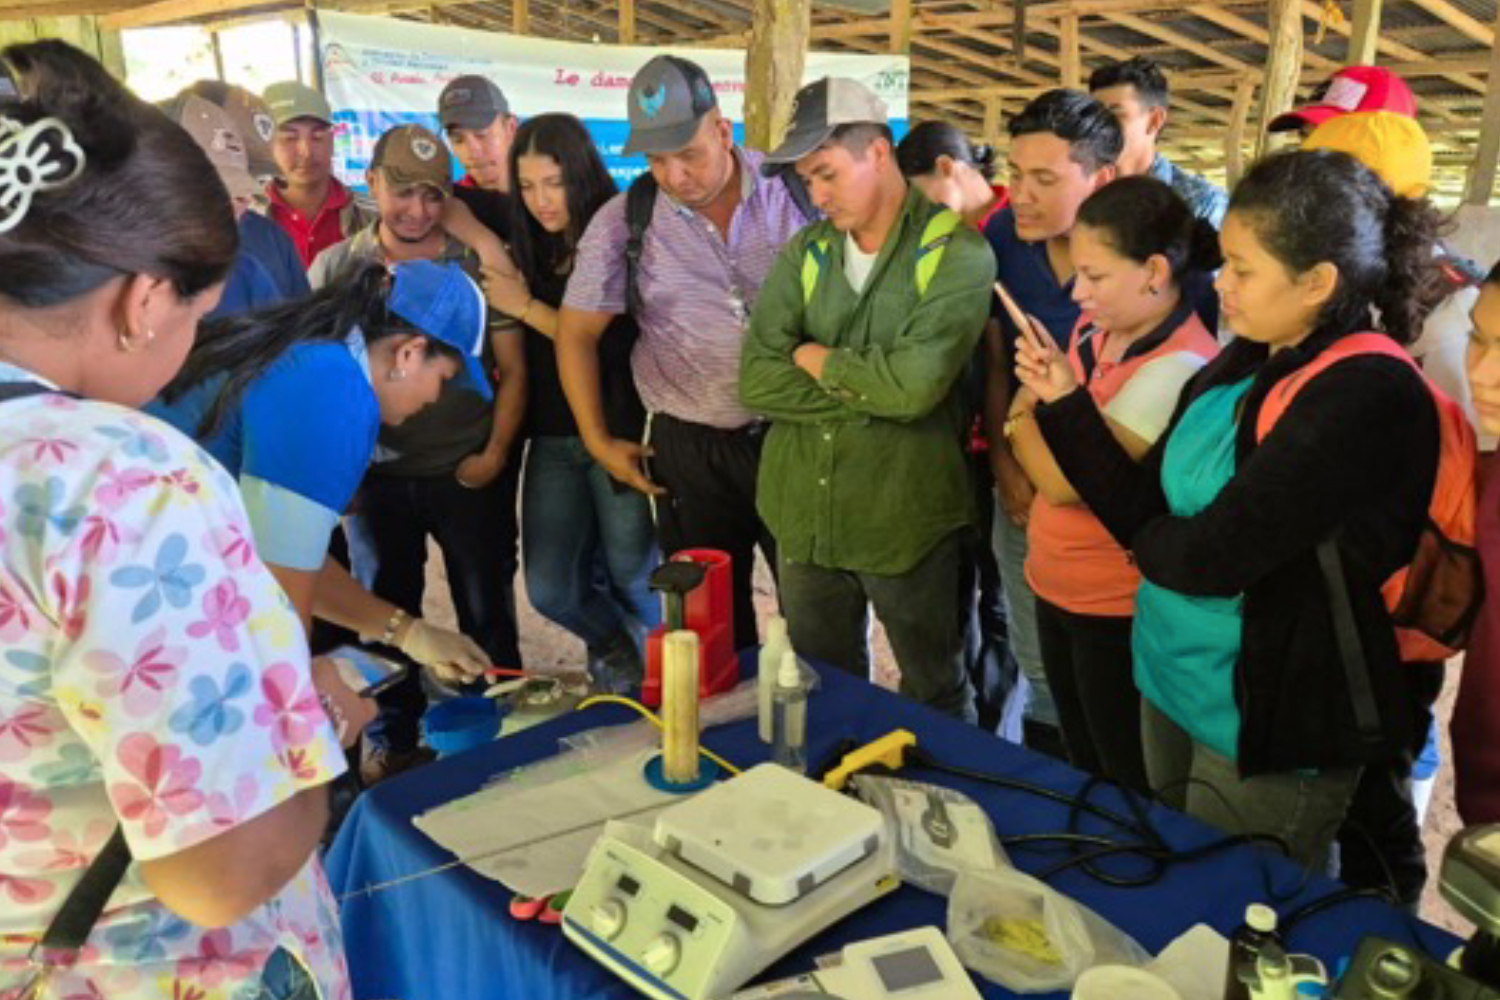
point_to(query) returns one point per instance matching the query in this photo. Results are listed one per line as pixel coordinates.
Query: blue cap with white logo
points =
(446, 305)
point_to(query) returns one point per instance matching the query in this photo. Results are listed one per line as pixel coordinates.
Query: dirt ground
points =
(545, 646)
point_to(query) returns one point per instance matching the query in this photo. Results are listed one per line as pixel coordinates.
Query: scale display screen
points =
(907, 970)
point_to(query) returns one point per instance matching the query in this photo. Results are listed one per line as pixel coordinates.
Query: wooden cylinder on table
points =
(679, 707)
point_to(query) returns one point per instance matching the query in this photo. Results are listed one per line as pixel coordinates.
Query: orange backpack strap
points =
(1354, 345)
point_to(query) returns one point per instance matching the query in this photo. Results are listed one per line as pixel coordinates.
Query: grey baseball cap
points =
(819, 110)
(668, 98)
(290, 100)
(471, 102)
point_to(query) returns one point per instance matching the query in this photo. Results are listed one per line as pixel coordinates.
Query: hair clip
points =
(38, 157)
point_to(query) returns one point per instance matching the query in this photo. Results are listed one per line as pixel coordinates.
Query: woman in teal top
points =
(1250, 718)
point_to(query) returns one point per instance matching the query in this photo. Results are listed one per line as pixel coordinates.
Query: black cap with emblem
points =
(471, 102)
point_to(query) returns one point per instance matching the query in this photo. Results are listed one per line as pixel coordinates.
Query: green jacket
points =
(864, 470)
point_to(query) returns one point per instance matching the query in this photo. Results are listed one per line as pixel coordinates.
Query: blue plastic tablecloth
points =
(449, 936)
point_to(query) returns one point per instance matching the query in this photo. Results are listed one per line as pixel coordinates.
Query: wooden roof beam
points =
(172, 11)
(1312, 11)
(1093, 44)
(1455, 18)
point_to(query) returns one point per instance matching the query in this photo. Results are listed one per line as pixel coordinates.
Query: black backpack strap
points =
(640, 203)
(71, 926)
(798, 191)
(1351, 649)
(21, 390)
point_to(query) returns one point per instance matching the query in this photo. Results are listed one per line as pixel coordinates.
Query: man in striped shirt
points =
(715, 230)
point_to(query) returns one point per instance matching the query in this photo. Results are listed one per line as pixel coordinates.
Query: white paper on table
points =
(536, 840)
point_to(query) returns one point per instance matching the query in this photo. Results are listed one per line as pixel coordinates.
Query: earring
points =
(133, 347)
(396, 374)
(1154, 290)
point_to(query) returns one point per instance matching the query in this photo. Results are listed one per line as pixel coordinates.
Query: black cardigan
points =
(1353, 458)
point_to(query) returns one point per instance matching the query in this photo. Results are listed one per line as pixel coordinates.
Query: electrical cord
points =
(615, 699)
(1135, 836)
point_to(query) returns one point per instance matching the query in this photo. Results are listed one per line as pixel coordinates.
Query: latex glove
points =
(452, 656)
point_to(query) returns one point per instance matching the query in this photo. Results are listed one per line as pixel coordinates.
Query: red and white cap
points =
(1351, 89)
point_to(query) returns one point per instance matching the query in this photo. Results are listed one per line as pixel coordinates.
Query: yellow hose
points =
(614, 699)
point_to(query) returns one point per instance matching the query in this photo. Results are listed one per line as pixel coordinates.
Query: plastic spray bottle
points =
(778, 644)
(789, 716)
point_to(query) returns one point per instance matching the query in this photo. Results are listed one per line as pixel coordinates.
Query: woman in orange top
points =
(1136, 345)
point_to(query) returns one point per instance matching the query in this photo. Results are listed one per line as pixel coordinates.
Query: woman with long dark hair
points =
(291, 401)
(1278, 502)
(587, 543)
(1135, 346)
(156, 697)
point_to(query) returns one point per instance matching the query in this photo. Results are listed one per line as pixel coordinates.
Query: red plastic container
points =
(708, 611)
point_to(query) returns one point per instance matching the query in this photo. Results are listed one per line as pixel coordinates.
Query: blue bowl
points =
(460, 724)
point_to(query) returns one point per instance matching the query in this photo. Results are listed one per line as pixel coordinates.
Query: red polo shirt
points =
(312, 236)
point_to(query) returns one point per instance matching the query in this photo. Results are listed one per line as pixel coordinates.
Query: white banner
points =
(380, 72)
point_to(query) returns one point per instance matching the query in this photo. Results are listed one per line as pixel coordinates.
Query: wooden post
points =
(1482, 180)
(627, 22)
(1366, 34)
(1283, 65)
(994, 116)
(1072, 58)
(779, 32)
(520, 17)
(1234, 139)
(900, 27)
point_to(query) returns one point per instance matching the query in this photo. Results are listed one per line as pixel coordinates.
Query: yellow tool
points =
(889, 750)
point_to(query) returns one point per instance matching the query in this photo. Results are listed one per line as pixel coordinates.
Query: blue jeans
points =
(1020, 606)
(588, 547)
(284, 979)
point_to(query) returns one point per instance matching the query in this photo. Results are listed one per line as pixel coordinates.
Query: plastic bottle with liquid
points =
(1258, 931)
(789, 716)
(778, 643)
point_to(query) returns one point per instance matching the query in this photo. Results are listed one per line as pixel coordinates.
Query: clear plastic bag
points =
(1024, 935)
(938, 832)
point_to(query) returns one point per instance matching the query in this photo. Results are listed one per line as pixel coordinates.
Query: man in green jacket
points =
(854, 353)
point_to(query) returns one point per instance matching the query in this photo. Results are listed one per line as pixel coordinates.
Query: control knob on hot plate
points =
(662, 954)
(608, 919)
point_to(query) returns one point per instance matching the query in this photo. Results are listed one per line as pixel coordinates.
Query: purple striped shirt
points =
(697, 291)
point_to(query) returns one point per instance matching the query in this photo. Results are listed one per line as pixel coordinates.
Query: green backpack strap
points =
(814, 260)
(936, 236)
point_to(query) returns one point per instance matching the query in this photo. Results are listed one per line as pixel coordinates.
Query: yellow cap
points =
(1393, 146)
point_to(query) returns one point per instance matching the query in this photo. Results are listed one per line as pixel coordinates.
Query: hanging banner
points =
(380, 72)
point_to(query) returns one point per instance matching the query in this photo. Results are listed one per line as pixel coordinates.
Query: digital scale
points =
(730, 880)
(911, 965)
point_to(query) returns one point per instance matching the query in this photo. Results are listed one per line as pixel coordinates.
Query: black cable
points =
(1141, 840)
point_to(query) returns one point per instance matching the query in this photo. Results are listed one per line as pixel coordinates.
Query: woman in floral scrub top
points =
(152, 675)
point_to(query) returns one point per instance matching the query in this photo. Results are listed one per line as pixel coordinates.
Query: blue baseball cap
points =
(445, 304)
